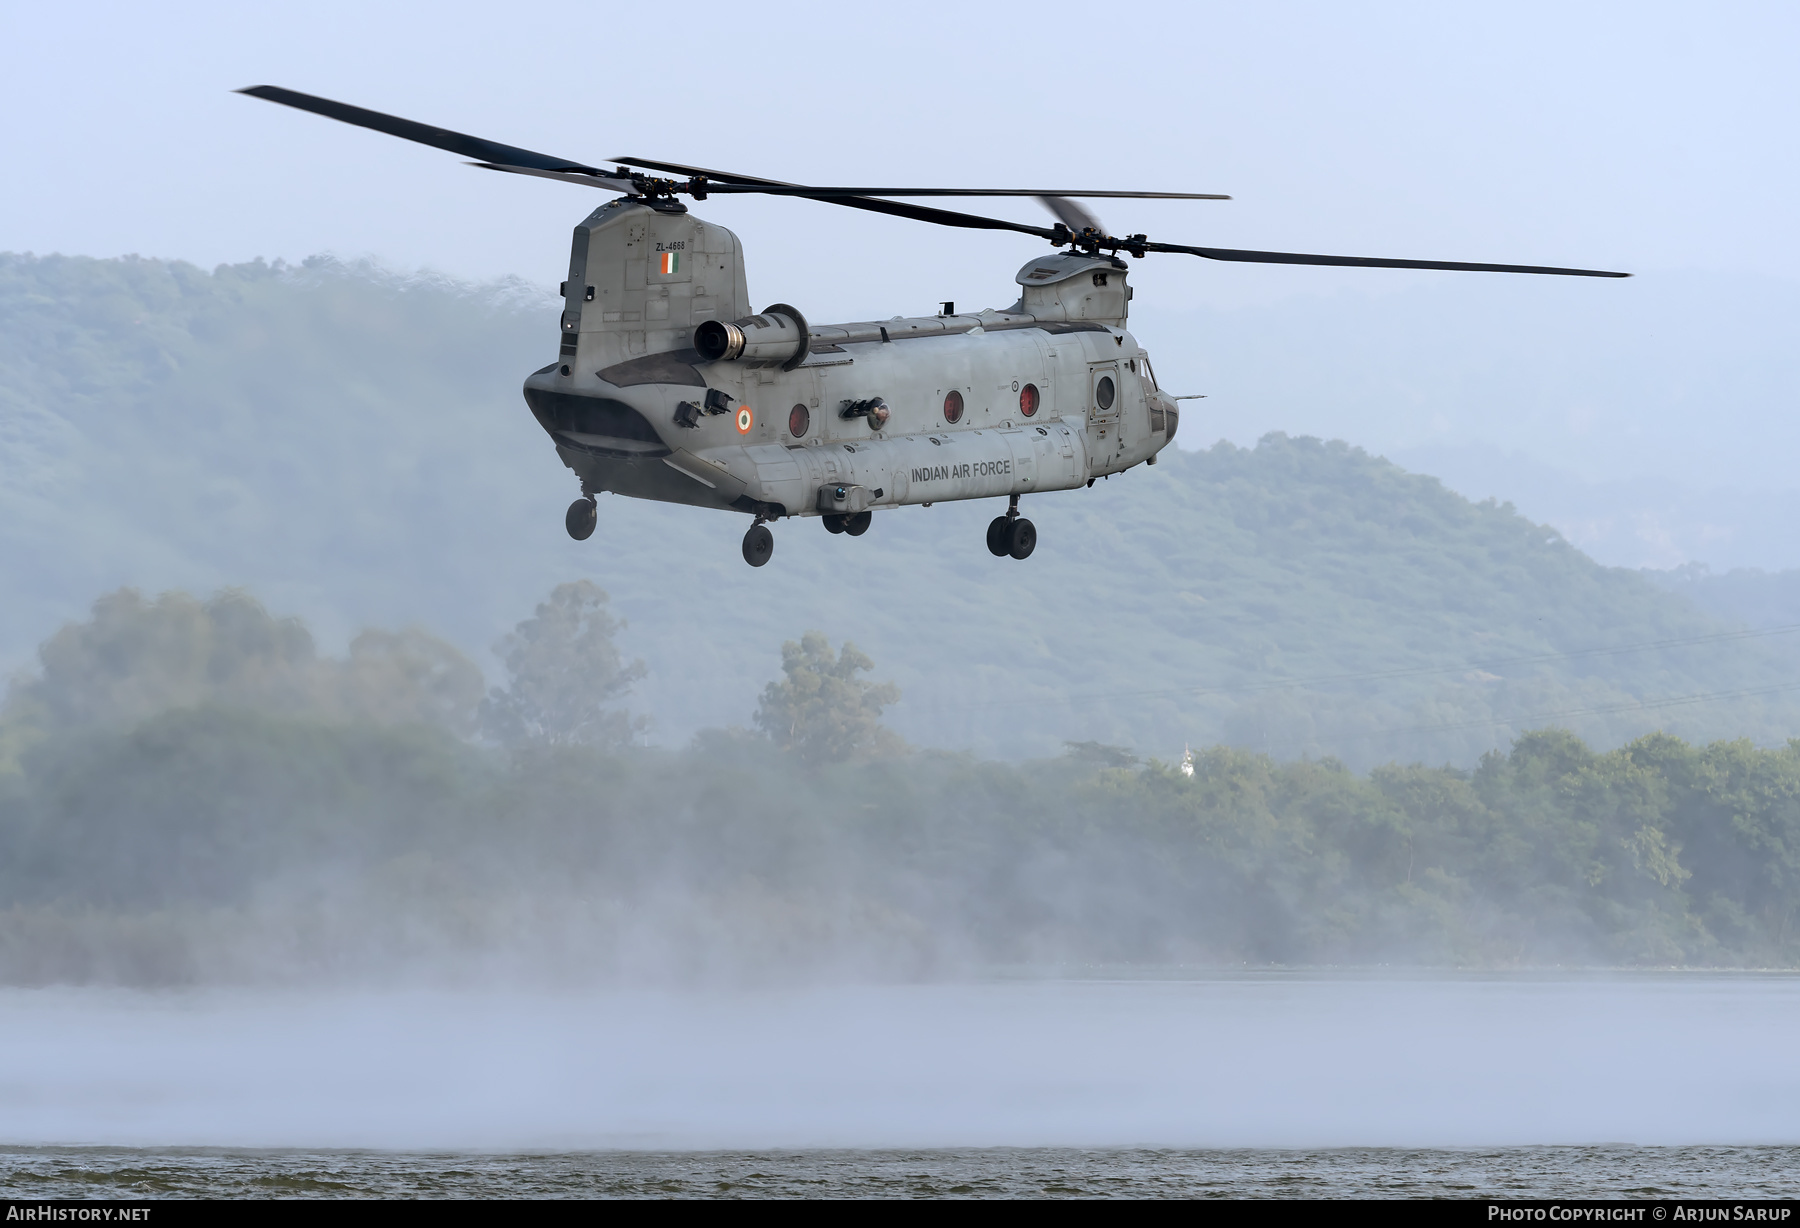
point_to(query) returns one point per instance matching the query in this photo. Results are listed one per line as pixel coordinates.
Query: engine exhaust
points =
(778, 337)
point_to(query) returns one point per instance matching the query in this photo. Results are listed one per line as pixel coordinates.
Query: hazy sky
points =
(1636, 136)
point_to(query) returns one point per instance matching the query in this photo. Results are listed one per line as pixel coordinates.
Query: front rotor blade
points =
(1071, 214)
(1369, 262)
(439, 138)
(944, 217)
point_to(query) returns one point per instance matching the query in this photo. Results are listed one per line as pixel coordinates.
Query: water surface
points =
(1525, 1172)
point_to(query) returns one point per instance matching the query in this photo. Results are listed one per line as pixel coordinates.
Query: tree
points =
(563, 671)
(1100, 753)
(821, 710)
(408, 677)
(136, 658)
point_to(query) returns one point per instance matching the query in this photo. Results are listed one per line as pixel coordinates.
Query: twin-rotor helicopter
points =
(669, 387)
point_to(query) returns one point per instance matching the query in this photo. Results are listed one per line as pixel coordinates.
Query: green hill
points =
(1747, 596)
(352, 446)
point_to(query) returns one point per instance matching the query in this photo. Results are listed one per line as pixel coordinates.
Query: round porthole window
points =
(953, 407)
(799, 421)
(1103, 392)
(1028, 400)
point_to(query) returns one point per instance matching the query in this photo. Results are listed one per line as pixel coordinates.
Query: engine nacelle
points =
(778, 337)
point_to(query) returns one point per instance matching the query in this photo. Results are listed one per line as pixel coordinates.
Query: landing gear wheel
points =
(759, 544)
(858, 524)
(1022, 540)
(996, 539)
(582, 518)
(834, 522)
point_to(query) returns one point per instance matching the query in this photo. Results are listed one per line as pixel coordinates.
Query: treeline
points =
(191, 792)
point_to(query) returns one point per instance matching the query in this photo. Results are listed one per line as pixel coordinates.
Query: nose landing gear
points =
(855, 526)
(1011, 534)
(582, 516)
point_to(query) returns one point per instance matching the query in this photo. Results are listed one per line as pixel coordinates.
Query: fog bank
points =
(1260, 1060)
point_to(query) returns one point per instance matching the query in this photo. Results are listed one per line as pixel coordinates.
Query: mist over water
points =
(1258, 1060)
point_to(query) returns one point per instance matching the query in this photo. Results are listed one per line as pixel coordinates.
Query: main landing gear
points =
(1011, 534)
(855, 525)
(583, 516)
(759, 544)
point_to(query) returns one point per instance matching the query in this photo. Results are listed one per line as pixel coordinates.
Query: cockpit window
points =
(1149, 375)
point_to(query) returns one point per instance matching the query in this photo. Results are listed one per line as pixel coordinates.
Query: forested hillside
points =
(1745, 596)
(352, 447)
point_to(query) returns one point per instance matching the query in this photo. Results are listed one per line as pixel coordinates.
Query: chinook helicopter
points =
(669, 387)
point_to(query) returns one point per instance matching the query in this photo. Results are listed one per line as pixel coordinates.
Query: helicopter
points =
(668, 386)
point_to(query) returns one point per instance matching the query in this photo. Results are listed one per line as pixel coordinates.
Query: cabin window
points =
(953, 407)
(1103, 392)
(799, 421)
(1028, 400)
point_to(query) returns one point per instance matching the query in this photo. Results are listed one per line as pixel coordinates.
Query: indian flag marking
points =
(668, 263)
(745, 419)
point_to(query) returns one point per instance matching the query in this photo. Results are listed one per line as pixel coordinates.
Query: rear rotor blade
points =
(894, 208)
(1040, 193)
(1369, 262)
(939, 217)
(676, 168)
(605, 182)
(484, 151)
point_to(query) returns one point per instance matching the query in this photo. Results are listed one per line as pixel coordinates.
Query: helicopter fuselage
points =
(837, 419)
